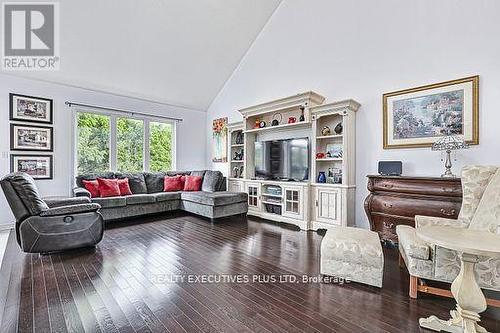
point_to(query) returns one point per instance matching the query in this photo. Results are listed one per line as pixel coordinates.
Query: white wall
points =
(362, 49)
(191, 132)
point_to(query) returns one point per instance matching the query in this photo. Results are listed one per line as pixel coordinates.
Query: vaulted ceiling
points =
(175, 51)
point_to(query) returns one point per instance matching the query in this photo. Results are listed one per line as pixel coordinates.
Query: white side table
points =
(470, 299)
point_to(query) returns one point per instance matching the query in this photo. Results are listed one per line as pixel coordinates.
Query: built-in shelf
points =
(272, 203)
(277, 127)
(329, 184)
(272, 195)
(333, 136)
(329, 159)
(237, 161)
(237, 145)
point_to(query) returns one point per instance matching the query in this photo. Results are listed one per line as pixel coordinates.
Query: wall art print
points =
(37, 166)
(219, 141)
(30, 109)
(31, 138)
(417, 117)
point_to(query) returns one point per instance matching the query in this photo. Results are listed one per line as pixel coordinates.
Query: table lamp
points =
(448, 143)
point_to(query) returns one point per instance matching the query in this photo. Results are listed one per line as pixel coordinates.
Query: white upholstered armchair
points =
(480, 210)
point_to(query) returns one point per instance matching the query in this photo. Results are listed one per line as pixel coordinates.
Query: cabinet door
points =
(253, 191)
(327, 206)
(235, 186)
(293, 202)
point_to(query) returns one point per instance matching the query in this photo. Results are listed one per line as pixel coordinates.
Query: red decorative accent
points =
(320, 155)
(173, 184)
(192, 183)
(93, 187)
(108, 187)
(124, 187)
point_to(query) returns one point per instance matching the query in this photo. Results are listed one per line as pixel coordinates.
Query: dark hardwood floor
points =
(127, 284)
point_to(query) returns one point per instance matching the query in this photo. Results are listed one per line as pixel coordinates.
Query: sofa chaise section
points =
(214, 205)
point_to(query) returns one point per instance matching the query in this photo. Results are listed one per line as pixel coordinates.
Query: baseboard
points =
(6, 226)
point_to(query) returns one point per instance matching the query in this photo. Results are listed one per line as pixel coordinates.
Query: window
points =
(160, 146)
(129, 145)
(113, 142)
(93, 143)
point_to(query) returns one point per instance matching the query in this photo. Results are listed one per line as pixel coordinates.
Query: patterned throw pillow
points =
(192, 183)
(93, 187)
(173, 184)
(108, 187)
(124, 186)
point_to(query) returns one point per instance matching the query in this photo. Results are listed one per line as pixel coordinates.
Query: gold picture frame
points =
(455, 99)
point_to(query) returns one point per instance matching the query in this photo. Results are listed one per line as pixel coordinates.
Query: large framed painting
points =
(31, 138)
(30, 109)
(37, 166)
(419, 116)
(219, 135)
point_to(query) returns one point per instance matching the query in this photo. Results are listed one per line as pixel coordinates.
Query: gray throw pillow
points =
(92, 176)
(211, 181)
(198, 173)
(154, 181)
(136, 182)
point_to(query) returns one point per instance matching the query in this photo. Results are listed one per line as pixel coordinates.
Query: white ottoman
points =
(353, 254)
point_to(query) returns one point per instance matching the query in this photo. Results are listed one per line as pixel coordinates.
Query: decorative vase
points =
(338, 129)
(321, 177)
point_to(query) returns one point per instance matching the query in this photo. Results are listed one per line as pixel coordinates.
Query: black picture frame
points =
(50, 176)
(14, 118)
(12, 138)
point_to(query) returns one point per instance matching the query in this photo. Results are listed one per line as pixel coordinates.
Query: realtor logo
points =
(31, 36)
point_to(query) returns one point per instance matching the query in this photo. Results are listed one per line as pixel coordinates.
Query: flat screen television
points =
(282, 159)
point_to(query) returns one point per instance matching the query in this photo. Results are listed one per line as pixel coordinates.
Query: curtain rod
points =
(70, 104)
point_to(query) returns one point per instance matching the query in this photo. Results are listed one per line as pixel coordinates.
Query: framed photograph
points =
(30, 109)
(31, 138)
(37, 166)
(419, 116)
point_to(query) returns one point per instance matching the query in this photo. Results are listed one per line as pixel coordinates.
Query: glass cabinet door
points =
(293, 202)
(253, 196)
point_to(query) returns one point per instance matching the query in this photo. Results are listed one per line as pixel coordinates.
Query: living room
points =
(285, 165)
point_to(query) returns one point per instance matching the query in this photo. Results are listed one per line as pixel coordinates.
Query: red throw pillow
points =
(92, 186)
(108, 187)
(124, 187)
(192, 183)
(173, 184)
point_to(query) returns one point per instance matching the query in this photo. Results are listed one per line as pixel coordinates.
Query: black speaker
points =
(390, 168)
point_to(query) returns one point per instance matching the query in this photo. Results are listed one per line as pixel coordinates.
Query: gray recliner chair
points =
(44, 226)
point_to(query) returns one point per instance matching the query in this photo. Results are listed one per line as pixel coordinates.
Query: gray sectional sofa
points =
(148, 197)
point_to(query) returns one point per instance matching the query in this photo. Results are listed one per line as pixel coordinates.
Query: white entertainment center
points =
(308, 204)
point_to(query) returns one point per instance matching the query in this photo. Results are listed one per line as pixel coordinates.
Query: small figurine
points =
(236, 172)
(257, 123)
(326, 131)
(302, 117)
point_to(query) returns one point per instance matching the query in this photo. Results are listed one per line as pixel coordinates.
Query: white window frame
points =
(113, 116)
